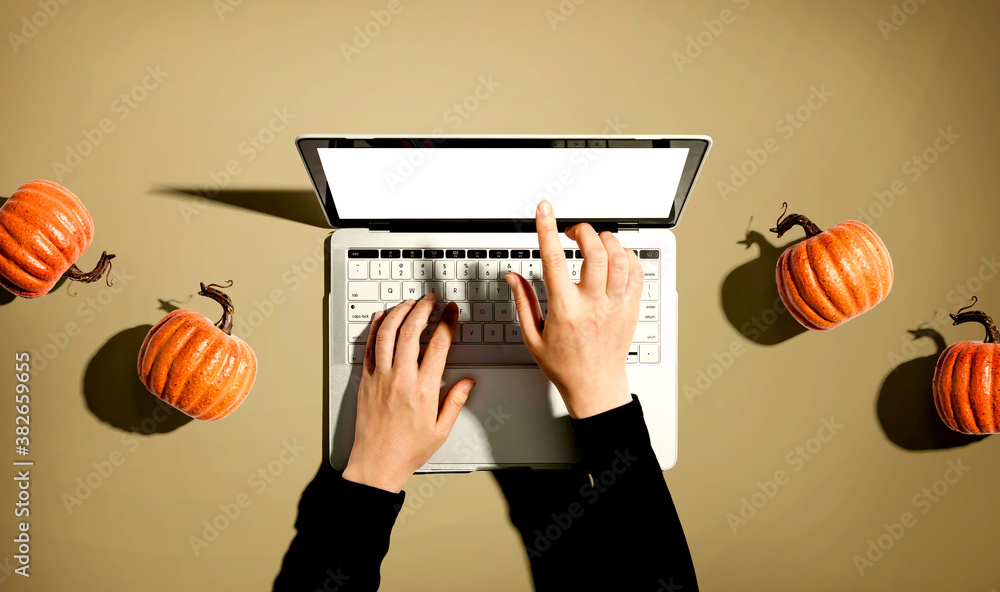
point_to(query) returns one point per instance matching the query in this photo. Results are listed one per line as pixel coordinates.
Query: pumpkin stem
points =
(786, 223)
(977, 316)
(213, 292)
(74, 273)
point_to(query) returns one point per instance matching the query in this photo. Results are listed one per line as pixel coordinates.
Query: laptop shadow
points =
(750, 298)
(905, 405)
(289, 204)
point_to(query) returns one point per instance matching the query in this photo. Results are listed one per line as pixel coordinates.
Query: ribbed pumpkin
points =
(833, 275)
(44, 229)
(199, 367)
(967, 379)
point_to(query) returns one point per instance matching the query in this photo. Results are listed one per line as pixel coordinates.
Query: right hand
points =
(590, 325)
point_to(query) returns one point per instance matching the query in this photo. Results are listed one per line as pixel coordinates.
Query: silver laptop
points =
(452, 215)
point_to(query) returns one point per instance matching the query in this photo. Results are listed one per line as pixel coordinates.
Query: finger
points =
(377, 319)
(385, 340)
(618, 265)
(554, 271)
(636, 276)
(529, 313)
(452, 405)
(440, 342)
(594, 272)
(408, 346)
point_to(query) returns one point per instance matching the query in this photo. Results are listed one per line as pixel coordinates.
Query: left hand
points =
(399, 424)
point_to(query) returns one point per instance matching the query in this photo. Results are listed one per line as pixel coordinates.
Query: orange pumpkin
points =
(199, 367)
(833, 275)
(44, 229)
(967, 379)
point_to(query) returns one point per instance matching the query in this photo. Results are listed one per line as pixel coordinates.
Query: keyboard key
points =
(422, 270)
(531, 270)
(520, 254)
(362, 253)
(477, 291)
(488, 270)
(576, 143)
(477, 254)
(362, 290)
(455, 253)
(357, 270)
(482, 312)
(466, 270)
(454, 290)
(412, 253)
(650, 291)
(361, 312)
(542, 305)
(499, 291)
(391, 291)
(444, 270)
(508, 266)
(514, 334)
(356, 353)
(464, 313)
(579, 254)
(646, 333)
(378, 270)
(487, 354)
(650, 268)
(390, 253)
(425, 335)
(574, 269)
(357, 332)
(503, 311)
(597, 143)
(400, 270)
(436, 288)
(649, 254)
(493, 333)
(413, 290)
(649, 312)
(472, 333)
(540, 291)
(633, 354)
(649, 353)
(433, 253)
(436, 312)
(498, 254)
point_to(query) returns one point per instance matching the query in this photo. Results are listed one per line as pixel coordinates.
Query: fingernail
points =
(429, 296)
(408, 301)
(544, 207)
(378, 315)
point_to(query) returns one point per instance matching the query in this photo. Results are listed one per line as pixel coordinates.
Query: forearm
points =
(343, 531)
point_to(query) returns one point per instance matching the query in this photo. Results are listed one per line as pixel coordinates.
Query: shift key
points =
(361, 312)
(647, 333)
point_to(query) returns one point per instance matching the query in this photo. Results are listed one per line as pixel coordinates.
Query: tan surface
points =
(607, 61)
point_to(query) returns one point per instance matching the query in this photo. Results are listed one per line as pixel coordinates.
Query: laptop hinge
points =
(628, 226)
(378, 227)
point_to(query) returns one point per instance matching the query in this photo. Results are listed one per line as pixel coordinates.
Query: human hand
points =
(590, 325)
(399, 424)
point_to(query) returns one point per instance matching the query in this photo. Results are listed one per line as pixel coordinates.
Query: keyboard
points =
(488, 331)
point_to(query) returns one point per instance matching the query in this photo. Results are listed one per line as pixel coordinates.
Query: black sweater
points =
(621, 533)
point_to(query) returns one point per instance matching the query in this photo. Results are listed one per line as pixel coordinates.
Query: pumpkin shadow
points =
(289, 204)
(6, 297)
(116, 396)
(750, 298)
(905, 405)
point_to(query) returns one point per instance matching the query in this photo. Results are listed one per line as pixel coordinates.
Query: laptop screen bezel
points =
(309, 145)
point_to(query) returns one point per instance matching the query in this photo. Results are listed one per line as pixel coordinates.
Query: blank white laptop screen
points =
(502, 183)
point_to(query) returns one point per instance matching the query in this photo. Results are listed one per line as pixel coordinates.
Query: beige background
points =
(605, 62)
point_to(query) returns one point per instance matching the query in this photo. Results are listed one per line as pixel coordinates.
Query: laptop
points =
(452, 215)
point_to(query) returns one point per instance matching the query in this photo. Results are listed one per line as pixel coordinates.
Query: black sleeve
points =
(342, 535)
(638, 540)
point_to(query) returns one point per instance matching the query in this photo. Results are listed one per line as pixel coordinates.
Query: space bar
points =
(489, 354)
